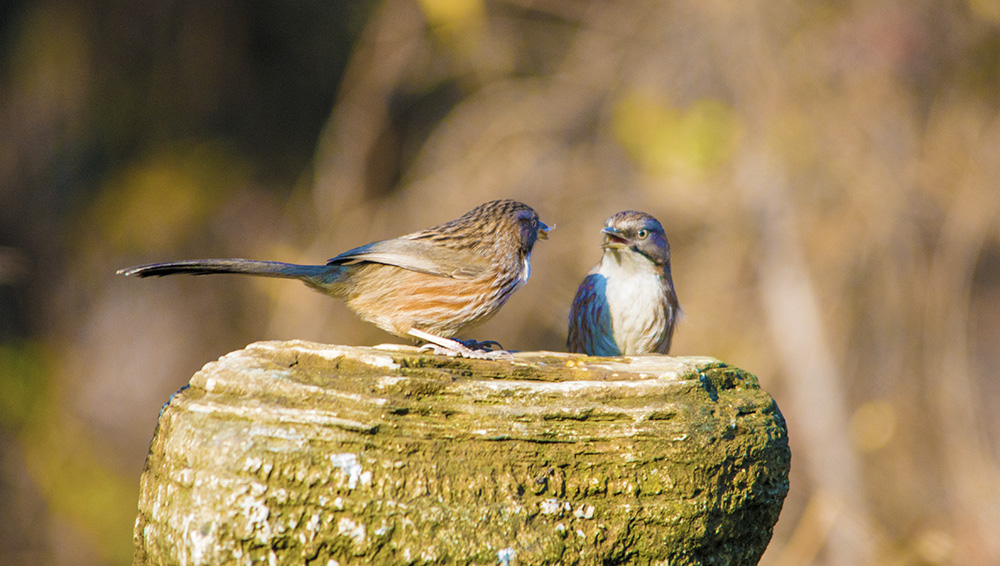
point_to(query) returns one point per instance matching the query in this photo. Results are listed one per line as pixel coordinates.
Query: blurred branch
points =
(970, 222)
(815, 384)
(393, 42)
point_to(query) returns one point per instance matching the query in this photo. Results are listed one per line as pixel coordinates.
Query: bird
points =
(428, 285)
(626, 305)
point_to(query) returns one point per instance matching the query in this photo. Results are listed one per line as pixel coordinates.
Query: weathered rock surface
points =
(302, 453)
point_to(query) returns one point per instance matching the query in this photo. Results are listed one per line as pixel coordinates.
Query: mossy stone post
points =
(302, 453)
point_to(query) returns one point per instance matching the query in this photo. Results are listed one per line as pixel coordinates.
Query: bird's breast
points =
(637, 302)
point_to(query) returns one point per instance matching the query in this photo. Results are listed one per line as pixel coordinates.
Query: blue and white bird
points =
(627, 304)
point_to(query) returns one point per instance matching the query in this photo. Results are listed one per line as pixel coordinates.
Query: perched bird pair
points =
(432, 284)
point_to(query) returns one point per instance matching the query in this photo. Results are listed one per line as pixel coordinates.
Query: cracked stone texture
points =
(303, 453)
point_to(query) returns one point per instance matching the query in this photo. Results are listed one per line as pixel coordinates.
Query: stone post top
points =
(388, 354)
(522, 369)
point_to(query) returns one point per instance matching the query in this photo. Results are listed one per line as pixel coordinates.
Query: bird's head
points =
(500, 222)
(637, 232)
(532, 228)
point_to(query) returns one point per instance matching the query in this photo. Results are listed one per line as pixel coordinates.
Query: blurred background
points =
(828, 174)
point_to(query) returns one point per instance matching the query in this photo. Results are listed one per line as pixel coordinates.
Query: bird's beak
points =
(543, 230)
(613, 238)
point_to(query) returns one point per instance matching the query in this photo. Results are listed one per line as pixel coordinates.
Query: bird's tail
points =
(314, 275)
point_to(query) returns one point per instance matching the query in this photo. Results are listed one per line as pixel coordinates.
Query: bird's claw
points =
(477, 352)
(459, 348)
(487, 345)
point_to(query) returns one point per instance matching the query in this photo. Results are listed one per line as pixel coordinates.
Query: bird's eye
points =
(643, 234)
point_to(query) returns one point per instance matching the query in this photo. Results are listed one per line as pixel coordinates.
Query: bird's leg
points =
(449, 347)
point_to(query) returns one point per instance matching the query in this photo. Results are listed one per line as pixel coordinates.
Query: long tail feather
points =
(242, 266)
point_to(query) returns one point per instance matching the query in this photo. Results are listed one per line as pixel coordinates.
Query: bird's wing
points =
(590, 329)
(417, 255)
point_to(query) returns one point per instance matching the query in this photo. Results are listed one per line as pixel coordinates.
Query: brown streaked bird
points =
(428, 285)
(626, 305)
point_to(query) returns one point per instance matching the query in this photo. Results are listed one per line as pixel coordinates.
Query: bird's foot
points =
(464, 352)
(460, 348)
(487, 345)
